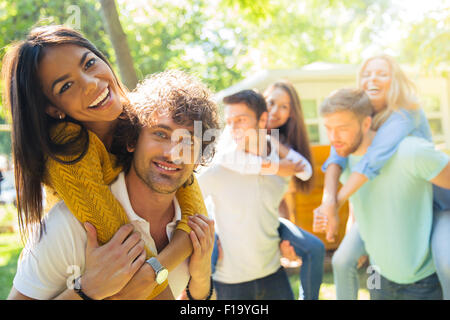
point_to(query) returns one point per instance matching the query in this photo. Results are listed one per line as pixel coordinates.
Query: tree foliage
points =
(18, 17)
(164, 34)
(295, 33)
(428, 41)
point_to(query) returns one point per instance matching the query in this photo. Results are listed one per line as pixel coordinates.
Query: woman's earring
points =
(60, 116)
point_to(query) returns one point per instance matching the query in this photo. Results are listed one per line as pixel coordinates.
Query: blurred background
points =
(237, 44)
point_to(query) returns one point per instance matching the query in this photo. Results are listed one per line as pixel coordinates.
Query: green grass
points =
(327, 289)
(10, 248)
(8, 216)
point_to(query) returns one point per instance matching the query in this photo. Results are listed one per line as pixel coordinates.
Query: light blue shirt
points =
(394, 210)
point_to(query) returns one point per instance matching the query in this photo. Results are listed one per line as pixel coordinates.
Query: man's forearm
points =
(143, 283)
(165, 295)
(355, 181)
(200, 288)
(177, 250)
(331, 183)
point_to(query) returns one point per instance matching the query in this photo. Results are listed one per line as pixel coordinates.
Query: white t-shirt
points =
(245, 210)
(46, 268)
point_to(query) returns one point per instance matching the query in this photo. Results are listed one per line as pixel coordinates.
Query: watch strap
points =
(161, 272)
(154, 263)
(77, 288)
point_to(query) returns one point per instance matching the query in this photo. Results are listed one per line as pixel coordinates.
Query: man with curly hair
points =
(157, 146)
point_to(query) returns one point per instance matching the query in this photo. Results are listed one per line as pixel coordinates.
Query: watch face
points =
(162, 276)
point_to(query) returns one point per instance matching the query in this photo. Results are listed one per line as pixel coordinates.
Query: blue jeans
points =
(214, 255)
(440, 249)
(346, 257)
(312, 251)
(273, 287)
(345, 261)
(307, 246)
(441, 199)
(425, 289)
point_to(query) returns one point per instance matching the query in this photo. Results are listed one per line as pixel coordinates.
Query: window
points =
(313, 133)
(309, 107)
(431, 104)
(436, 127)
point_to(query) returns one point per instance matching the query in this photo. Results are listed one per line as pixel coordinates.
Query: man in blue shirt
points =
(393, 210)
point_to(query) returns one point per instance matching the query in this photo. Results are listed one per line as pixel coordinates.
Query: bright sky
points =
(414, 9)
(410, 11)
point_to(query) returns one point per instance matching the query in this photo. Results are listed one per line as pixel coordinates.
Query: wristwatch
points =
(161, 272)
(78, 290)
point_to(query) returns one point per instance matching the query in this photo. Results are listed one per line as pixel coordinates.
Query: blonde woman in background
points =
(396, 115)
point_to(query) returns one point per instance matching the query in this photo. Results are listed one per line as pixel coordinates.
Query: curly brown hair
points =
(173, 93)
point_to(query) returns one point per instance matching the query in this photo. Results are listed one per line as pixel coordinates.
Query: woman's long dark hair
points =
(30, 134)
(294, 132)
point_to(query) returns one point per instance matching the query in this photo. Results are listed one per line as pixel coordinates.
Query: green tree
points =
(18, 17)
(119, 42)
(428, 41)
(185, 35)
(291, 34)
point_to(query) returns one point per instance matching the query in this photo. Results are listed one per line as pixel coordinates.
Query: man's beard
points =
(153, 179)
(353, 147)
